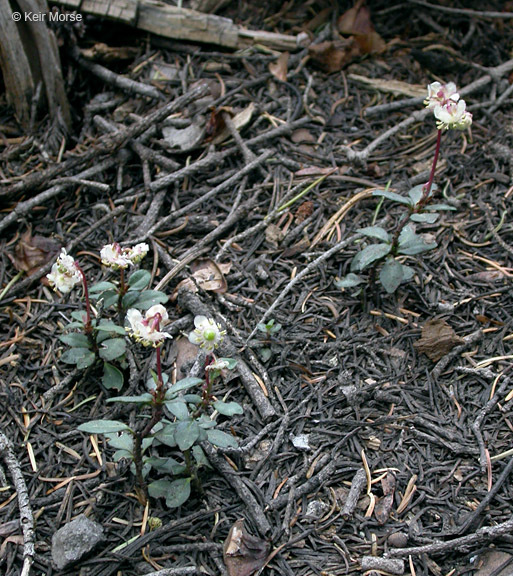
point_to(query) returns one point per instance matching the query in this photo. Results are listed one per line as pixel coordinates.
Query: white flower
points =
(114, 257)
(138, 252)
(441, 94)
(453, 115)
(64, 274)
(218, 364)
(146, 330)
(208, 334)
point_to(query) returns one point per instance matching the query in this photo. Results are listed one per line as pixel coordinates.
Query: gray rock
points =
(74, 540)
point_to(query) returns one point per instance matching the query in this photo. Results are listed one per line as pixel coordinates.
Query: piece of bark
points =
(437, 340)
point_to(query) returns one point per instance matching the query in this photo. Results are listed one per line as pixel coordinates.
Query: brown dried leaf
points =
(208, 275)
(437, 340)
(101, 52)
(356, 22)
(333, 56)
(183, 353)
(384, 505)
(302, 135)
(239, 120)
(32, 252)
(243, 553)
(279, 68)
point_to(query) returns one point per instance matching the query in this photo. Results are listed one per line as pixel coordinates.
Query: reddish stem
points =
(86, 295)
(427, 187)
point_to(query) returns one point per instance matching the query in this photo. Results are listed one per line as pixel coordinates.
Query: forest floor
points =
(342, 401)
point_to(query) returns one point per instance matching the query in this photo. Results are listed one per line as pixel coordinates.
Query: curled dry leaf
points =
(206, 274)
(333, 56)
(279, 68)
(356, 22)
(32, 252)
(437, 339)
(183, 353)
(240, 120)
(384, 505)
(243, 553)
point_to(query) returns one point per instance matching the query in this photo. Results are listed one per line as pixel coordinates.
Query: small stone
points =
(301, 441)
(316, 508)
(74, 540)
(398, 540)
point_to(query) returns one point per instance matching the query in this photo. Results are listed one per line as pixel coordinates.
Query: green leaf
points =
(149, 298)
(221, 439)
(145, 398)
(166, 465)
(79, 315)
(178, 408)
(434, 207)
(232, 363)
(186, 434)
(265, 354)
(122, 454)
(375, 232)
(102, 427)
(112, 349)
(199, 456)
(108, 326)
(228, 408)
(123, 441)
(183, 384)
(101, 287)
(139, 280)
(167, 435)
(112, 377)
(391, 275)
(425, 217)
(81, 357)
(416, 193)
(176, 492)
(349, 281)
(391, 196)
(369, 255)
(411, 243)
(110, 298)
(130, 299)
(75, 339)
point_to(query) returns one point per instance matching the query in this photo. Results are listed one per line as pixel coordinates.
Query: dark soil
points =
(434, 437)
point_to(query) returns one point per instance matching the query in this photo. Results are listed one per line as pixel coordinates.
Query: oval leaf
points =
(82, 357)
(375, 232)
(112, 349)
(391, 275)
(139, 280)
(102, 427)
(221, 439)
(75, 339)
(149, 298)
(349, 281)
(425, 217)
(391, 196)
(228, 408)
(112, 377)
(370, 254)
(186, 434)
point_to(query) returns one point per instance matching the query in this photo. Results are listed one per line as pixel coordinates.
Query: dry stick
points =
(314, 264)
(468, 341)
(109, 77)
(493, 74)
(176, 571)
(192, 302)
(464, 11)
(357, 485)
(220, 188)
(476, 425)
(252, 506)
(25, 207)
(108, 144)
(26, 518)
(485, 534)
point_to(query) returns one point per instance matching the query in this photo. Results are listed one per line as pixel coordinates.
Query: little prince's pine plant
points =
(450, 112)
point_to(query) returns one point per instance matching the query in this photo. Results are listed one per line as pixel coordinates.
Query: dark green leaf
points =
(375, 232)
(221, 439)
(149, 298)
(425, 217)
(391, 275)
(369, 255)
(139, 280)
(411, 243)
(145, 398)
(166, 465)
(112, 377)
(101, 287)
(183, 384)
(349, 281)
(75, 339)
(81, 357)
(167, 435)
(186, 434)
(178, 408)
(102, 427)
(123, 441)
(107, 326)
(79, 315)
(112, 349)
(130, 299)
(391, 196)
(176, 492)
(228, 408)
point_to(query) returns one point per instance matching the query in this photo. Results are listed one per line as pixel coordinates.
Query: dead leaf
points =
(209, 275)
(437, 340)
(240, 120)
(303, 135)
(32, 252)
(184, 139)
(333, 56)
(494, 563)
(183, 353)
(274, 235)
(279, 68)
(356, 22)
(384, 505)
(243, 553)
(304, 211)
(100, 52)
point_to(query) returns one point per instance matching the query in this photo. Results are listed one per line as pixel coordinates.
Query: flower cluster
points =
(65, 273)
(207, 334)
(146, 330)
(116, 257)
(449, 110)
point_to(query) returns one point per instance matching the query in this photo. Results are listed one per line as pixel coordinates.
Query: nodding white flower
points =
(146, 329)
(453, 115)
(138, 252)
(207, 334)
(218, 364)
(114, 256)
(65, 274)
(441, 94)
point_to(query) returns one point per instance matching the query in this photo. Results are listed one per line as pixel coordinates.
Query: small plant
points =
(450, 113)
(177, 419)
(268, 329)
(100, 337)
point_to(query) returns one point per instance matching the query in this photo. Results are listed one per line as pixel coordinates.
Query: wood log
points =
(169, 21)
